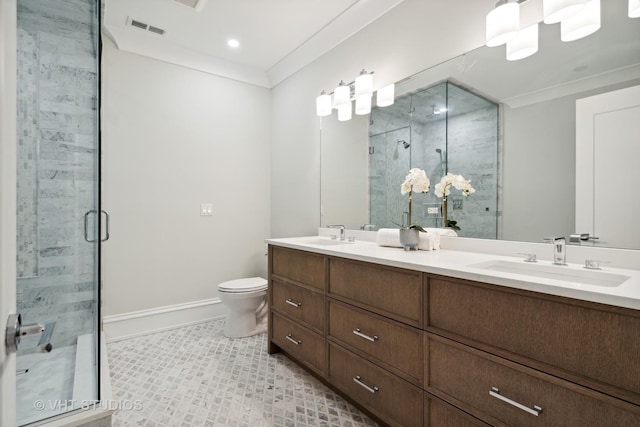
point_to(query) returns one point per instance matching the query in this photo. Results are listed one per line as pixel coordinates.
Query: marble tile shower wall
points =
(57, 145)
(471, 143)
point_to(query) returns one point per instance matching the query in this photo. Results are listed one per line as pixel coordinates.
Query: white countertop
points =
(460, 264)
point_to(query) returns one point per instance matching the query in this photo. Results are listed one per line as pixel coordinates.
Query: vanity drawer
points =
(307, 346)
(380, 338)
(438, 413)
(389, 291)
(390, 398)
(303, 267)
(469, 376)
(299, 303)
(591, 340)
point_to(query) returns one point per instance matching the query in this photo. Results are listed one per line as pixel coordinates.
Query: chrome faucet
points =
(342, 230)
(368, 227)
(559, 252)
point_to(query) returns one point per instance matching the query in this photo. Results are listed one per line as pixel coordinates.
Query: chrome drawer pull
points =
(358, 381)
(295, 304)
(366, 337)
(496, 393)
(296, 342)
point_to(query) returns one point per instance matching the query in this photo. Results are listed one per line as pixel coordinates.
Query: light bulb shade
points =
(583, 23)
(364, 85)
(634, 8)
(503, 23)
(363, 105)
(344, 112)
(323, 105)
(385, 96)
(558, 10)
(525, 44)
(341, 96)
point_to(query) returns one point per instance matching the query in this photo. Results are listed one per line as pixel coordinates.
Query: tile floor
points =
(195, 376)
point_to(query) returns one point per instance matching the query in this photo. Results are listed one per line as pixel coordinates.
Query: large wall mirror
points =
(525, 161)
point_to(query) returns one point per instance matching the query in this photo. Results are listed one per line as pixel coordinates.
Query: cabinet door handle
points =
(358, 381)
(295, 304)
(366, 337)
(293, 340)
(496, 393)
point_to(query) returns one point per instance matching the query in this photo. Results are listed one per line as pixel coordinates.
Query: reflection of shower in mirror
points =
(443, 165)
(404, 143)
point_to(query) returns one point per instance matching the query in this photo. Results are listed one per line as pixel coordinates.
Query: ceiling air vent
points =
(146, 27)
(139, 24)
(156, 30)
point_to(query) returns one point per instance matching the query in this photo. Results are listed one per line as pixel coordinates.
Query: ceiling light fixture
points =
(360, 90)
(634, 8)
(233, 43)
(503, 23)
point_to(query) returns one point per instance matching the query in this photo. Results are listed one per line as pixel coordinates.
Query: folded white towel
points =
(428, 241)
(388, 237)
(442, 231)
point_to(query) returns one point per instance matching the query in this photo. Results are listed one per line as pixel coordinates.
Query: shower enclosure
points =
(58, 201)
(443, 128)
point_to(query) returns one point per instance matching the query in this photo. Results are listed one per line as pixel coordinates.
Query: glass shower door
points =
(57, 203)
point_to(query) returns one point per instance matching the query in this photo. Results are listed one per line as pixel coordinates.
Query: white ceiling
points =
(277, 37)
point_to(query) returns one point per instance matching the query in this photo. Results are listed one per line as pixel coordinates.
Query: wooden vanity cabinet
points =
(592, 344)
(297, 306)
(416, 349)
(571, 358)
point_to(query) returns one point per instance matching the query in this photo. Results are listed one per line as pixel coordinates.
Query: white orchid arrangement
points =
(443, 189)
(418, 182)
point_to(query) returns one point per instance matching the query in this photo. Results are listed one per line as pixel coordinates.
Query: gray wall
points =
(174, 138)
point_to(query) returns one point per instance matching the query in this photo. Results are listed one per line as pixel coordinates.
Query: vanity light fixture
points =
(385, 96)
(557, 10)
(578, 18)
(323, 104)
(525, 44)
(360, 90)
(503, 23)
(634, 8)
(583, 23)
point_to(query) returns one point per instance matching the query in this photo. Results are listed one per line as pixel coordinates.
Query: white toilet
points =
(246, 301)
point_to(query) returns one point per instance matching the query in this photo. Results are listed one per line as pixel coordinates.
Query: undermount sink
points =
(326, 242)
(555, 272)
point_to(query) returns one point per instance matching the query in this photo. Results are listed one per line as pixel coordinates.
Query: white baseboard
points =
(138, 323)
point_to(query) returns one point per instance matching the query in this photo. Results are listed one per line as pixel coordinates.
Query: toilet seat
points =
(250, 284)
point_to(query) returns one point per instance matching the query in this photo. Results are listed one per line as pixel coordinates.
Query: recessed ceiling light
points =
(233, 43)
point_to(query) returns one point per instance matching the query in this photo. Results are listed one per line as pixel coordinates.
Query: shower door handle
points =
(107, 226)
(86, 225)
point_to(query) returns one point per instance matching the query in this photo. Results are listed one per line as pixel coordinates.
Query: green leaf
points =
(418, 227)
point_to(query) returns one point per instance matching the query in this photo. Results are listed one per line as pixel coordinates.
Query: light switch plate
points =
(206, 209)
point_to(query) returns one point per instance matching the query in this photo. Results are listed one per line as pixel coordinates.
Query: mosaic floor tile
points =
(195, 376)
